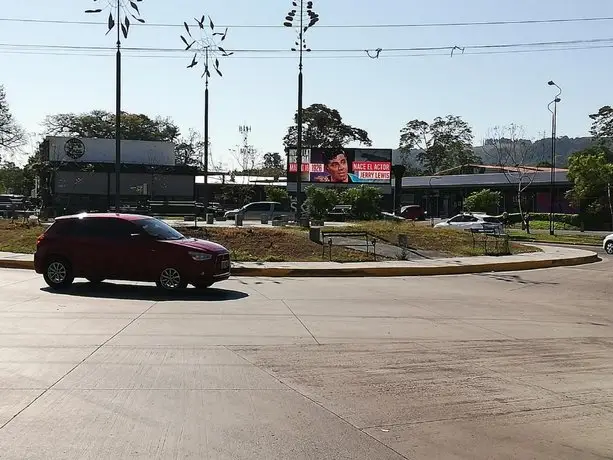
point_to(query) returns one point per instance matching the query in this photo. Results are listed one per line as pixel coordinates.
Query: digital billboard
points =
(342, 166)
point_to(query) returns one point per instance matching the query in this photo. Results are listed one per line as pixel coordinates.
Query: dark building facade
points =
(443, 196)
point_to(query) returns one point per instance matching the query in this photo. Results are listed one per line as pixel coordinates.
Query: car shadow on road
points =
(109, 290)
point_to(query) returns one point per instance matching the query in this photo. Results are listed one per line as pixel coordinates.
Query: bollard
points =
(374, 248)
(315, 234)
(264, 218)
(238, 220)
(210, 218)
(330, 245)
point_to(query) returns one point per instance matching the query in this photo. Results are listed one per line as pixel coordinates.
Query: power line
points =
(338, 26)
(109, 53)
(382, 51)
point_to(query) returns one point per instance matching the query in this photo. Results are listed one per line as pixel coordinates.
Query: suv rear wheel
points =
(609, 247)
(58, 273)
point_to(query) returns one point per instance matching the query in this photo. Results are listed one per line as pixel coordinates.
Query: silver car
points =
(255, 210)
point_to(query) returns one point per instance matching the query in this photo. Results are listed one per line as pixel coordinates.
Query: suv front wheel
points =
(171, 280)
(58, 273)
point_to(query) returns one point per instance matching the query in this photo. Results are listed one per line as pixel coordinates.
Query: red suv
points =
(127, 247)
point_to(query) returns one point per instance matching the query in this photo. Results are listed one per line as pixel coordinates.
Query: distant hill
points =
(565, 147)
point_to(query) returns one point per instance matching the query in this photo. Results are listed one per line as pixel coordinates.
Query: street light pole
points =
(554, 116)
(313, 18)
(429, 199)
(118, 118)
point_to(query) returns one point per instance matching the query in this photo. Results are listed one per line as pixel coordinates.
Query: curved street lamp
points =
(554, 121)
(120, 12)
(305, 18)
(208, 49)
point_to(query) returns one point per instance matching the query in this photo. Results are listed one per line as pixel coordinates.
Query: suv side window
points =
(257, 207)
(109, 228)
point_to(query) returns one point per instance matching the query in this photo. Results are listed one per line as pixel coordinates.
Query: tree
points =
(277, 194)
(101, 124)
(507, 147)
(445, 143)
(485, 200)
(273, 165)
(12, 136)
(591, 172)
(12, 179)
(237, 195)
(602, 123)
(189, 150)
(323, 126)
(273, 160)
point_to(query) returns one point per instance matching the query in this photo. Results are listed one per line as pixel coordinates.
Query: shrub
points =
(568, 219)
(485, 200)
(365, 202)
(320, 200)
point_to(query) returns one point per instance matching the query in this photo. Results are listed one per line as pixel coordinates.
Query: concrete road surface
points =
(492, 366)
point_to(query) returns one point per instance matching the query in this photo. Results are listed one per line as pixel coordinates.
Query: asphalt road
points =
(504, 366)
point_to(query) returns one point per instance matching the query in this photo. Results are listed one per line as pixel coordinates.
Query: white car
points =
(468, 221)
(607, 244)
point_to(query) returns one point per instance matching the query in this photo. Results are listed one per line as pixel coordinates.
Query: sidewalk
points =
(551, 256)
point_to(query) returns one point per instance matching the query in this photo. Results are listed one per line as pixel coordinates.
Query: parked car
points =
(607, 244)
(216, 209)
(10, 203)
(340, 213)
(468, 221)
(127, 247)
(413, 212)
(255, 210)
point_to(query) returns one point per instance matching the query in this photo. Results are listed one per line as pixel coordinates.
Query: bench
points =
(491, 232)
(368, 243)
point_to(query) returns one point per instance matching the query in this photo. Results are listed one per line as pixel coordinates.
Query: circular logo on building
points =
(74, 148)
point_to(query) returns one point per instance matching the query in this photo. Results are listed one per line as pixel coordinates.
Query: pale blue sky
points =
(377, 95)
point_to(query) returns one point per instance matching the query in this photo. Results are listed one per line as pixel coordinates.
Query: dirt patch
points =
(19, 237)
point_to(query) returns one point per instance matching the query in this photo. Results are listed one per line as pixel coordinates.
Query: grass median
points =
(245, 244)
(290, 244)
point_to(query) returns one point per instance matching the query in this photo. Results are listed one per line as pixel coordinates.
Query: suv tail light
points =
(40, 239)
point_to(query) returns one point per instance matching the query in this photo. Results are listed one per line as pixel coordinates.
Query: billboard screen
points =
(338, 166)
(89, 150)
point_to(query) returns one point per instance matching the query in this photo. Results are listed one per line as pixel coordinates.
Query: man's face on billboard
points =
(337, 168)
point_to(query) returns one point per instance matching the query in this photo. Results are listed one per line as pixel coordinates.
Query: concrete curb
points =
(382, 270)
(19, 264)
